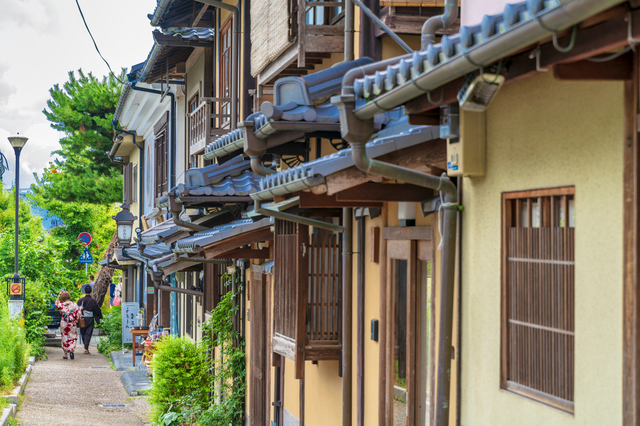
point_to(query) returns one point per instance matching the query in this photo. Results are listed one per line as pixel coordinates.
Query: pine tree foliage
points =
(83, 109)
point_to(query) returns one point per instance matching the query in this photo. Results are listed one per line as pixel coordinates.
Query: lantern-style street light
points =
(124, 224)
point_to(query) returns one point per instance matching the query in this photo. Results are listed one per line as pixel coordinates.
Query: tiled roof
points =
(159, 232)
(520, 25)
(313, 173)
(197, 242)
(191, 34)
(233, 178)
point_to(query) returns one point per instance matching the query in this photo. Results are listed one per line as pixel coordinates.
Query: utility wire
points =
(96, 46)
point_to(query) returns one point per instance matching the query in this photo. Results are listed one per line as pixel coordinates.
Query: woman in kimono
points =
(68, 323)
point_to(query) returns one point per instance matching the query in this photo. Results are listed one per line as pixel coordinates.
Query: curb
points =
(10, 412)
(135, 383)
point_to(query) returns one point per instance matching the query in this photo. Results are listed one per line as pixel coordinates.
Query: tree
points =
(82, 109)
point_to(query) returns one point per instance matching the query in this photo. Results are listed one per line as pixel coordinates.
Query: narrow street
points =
(71, 392)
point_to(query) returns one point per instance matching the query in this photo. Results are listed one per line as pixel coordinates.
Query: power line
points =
(96, 46)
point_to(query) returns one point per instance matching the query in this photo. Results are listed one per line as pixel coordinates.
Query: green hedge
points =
(14, 349)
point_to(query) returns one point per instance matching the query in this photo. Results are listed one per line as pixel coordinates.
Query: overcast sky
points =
(42, 40)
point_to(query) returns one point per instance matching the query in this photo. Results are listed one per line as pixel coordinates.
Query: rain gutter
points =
(357, 133)
(296, 219)
(501, 46)
(175, 210)
(161, 8)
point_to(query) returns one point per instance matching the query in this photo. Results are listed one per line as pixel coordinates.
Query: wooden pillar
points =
(382, 330)
(360, 323)
(370, 45)
(301, 402)
(631, 253)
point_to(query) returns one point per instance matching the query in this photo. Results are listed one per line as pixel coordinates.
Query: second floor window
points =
(161, 158)
(225, 75)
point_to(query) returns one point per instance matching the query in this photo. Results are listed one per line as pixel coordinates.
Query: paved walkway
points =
(72, 392)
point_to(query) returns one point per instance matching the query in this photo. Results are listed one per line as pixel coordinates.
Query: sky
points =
(42, 40)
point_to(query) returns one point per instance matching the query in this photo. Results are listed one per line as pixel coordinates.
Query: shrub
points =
(180, 368)
(14, 349)
(36, 316)
(111, 324)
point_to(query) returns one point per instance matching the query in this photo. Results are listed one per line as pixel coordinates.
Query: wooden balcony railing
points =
(322, 36)
(205, 124)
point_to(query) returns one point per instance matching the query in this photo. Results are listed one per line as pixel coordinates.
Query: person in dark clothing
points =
(112, 292)
(92, 316)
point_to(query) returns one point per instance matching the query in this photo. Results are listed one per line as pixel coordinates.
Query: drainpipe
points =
(234, 55)
(175, 210)
(296, 219)
(348, 32)
(172, 144)
(357, 133)
(260, 169)
(139, 289)
(439, 22)
(347, 315)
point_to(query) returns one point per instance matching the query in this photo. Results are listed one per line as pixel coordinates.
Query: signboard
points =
(15, 289)
(129, 312)
(85, 238)
(15, 307)
(86, 257)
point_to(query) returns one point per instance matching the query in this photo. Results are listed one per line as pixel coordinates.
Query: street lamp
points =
(17, 142)
(124, 224)
(15, 285)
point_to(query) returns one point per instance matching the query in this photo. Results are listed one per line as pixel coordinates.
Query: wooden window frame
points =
(127, 186)
(161, 144)
(223, 75)
(549, 217)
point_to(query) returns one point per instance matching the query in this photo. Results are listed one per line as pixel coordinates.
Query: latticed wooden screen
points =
(537, 356)
(325, 288)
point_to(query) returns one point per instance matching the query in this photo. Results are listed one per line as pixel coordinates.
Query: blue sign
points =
(86, 257)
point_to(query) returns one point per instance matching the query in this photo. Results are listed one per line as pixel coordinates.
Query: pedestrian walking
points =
(112, 291)
(92, 316)
(70, 313)
(89, 284)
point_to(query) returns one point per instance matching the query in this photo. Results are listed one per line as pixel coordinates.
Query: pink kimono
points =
(68, 325)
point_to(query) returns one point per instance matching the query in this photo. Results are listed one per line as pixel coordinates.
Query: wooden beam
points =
(407, 233)
(631, 254)
(215, 250)
(423, 103)
(420, 157)
(246, 253)
(311, 200)
(616, 69)
(200, 14)
(376, 192)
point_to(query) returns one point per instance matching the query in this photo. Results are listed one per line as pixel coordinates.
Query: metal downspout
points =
(260, 169)
(175, 213)
(234, 56)
(172, 144)
(347, 315)
(357, 133)
(349, 32)
(296, 219)
(439, 22)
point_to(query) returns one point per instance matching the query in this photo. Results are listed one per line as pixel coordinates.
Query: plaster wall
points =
(544, 133)
(472, 11)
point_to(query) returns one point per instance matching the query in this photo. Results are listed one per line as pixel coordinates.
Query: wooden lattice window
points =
(537, 353)
(128, 187)
(307, 289)
(214, 287)
(161, 157)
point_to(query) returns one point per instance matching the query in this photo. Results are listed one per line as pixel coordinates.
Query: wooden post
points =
(302, 29)
(382, 330)
(360, 323)
(302, 402)
(631, 253)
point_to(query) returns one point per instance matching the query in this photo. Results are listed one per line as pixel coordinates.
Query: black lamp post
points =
(17, 142)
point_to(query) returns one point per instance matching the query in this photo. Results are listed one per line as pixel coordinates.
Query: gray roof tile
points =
(197, 242)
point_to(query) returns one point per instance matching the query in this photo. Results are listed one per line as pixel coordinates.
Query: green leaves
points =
(82, 109)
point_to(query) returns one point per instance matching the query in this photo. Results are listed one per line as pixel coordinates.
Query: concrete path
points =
(73, 392)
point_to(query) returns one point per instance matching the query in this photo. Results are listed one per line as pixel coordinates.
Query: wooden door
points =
(259, 392)
(409, 327)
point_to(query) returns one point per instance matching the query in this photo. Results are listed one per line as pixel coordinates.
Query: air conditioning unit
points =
(466, 153)
(478, 90)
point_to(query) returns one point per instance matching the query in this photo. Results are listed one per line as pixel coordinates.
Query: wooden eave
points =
(218, 249)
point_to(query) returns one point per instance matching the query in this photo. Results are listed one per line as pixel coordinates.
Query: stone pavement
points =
(73, 392)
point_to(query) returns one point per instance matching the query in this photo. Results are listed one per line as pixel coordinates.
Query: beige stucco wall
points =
(544, 133)
(472, 11)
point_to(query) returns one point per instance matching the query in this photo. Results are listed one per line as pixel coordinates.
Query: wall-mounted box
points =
(466, 155)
